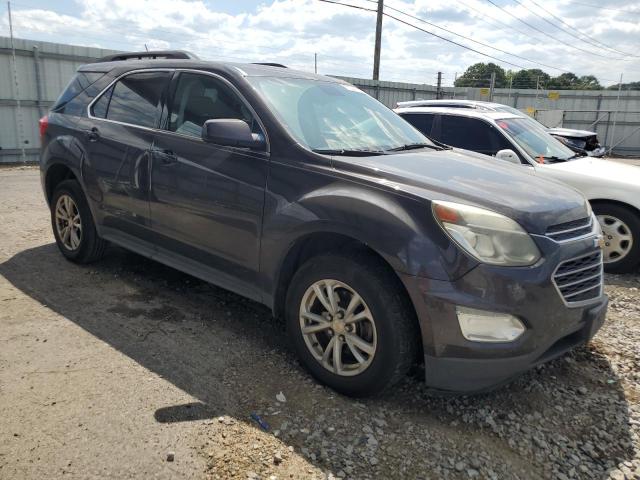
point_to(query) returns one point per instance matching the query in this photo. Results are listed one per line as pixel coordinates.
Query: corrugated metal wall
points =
(44, 69)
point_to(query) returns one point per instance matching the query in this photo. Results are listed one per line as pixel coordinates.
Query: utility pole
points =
(615, 116)
(17, 89)
(376, 52)
(315, 62)
(455, 79)
(492, 85)
(439, 87)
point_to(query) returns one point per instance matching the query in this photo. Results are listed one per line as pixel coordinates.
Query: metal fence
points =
(42, 70)
(614, 115)
(29, 87)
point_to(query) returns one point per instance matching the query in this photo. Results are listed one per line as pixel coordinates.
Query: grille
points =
(570, 230)
(580, 279)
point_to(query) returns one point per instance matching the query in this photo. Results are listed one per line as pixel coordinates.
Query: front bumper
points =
(453, 363)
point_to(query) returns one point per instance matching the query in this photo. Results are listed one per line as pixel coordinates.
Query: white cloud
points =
(291, 31)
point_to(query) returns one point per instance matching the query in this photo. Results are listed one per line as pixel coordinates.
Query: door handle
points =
(167, 157)
(93, 134)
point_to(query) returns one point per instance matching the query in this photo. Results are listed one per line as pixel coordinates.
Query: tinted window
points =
(135, 99)
(471, 134)
(99, 109)
(77, 85)
(422, 121)
(199, 98)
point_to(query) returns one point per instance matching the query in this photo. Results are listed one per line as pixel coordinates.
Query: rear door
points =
(118, 136)
(207, 199)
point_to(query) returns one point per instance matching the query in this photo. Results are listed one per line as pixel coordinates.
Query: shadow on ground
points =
(232, 356)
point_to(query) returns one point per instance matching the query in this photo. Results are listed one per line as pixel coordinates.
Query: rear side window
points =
(135, 99)
(471, 134)
(78, 84)
(422, 121)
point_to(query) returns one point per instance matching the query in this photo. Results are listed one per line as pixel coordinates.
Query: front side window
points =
(324, 115)
(535, 140)
(199, 98)
(471, 134)
(135, 99)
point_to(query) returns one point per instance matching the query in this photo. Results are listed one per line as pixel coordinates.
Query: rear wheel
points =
(621, 230)
(73, 226)
(351, 323)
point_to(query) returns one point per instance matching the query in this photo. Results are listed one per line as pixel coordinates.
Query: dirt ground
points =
(129, 369)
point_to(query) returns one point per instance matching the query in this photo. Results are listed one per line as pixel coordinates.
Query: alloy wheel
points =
(338, 327)
(68, 223)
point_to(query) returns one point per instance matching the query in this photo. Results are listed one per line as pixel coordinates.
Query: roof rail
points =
(152, 55)
(271, 64)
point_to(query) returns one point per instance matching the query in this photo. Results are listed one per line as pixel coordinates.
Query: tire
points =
(393, 328)
(85, 246)
(621, 229)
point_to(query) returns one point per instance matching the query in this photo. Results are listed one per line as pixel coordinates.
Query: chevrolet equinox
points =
(378, 247)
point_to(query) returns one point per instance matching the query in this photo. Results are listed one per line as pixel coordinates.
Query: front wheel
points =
(621, 231)
(351, 323)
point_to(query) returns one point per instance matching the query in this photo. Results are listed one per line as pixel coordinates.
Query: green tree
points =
(626, 86)
(566, 81)
(588, 82)
(479, 75)
(530, 78)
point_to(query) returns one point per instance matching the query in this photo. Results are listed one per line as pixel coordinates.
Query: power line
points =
(495, 20)
(547, 34)
(472, 40)
(627, 12)
(428, 32)
(577, 30)
(590, 42)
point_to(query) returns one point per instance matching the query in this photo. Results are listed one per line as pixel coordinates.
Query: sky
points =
(598, 37)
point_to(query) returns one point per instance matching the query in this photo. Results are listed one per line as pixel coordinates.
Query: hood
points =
(460, 176)
(602, 171)
(569, 132)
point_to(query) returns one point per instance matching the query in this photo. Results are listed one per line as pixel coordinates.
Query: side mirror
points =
(509, 156)
(231, 132)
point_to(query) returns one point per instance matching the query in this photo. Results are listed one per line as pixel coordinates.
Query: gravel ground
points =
(129, 369)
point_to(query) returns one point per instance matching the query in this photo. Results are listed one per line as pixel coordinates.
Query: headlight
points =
(486, 235)
(572, 142)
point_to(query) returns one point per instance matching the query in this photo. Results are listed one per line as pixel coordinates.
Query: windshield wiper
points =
(414, 146)
(347, 152)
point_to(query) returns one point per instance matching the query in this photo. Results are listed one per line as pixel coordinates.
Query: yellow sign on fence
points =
(554, 95)
(484, 92)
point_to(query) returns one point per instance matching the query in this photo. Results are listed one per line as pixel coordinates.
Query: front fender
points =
(400, 229)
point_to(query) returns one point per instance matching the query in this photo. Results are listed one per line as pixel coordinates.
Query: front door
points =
(118, 137)
(207, 199)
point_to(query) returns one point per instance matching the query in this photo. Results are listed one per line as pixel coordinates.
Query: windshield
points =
(534, 139)
(335, 116)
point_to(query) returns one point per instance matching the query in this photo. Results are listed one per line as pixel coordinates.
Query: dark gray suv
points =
(379, 248)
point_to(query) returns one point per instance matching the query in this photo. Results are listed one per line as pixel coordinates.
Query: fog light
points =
(483, 326)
